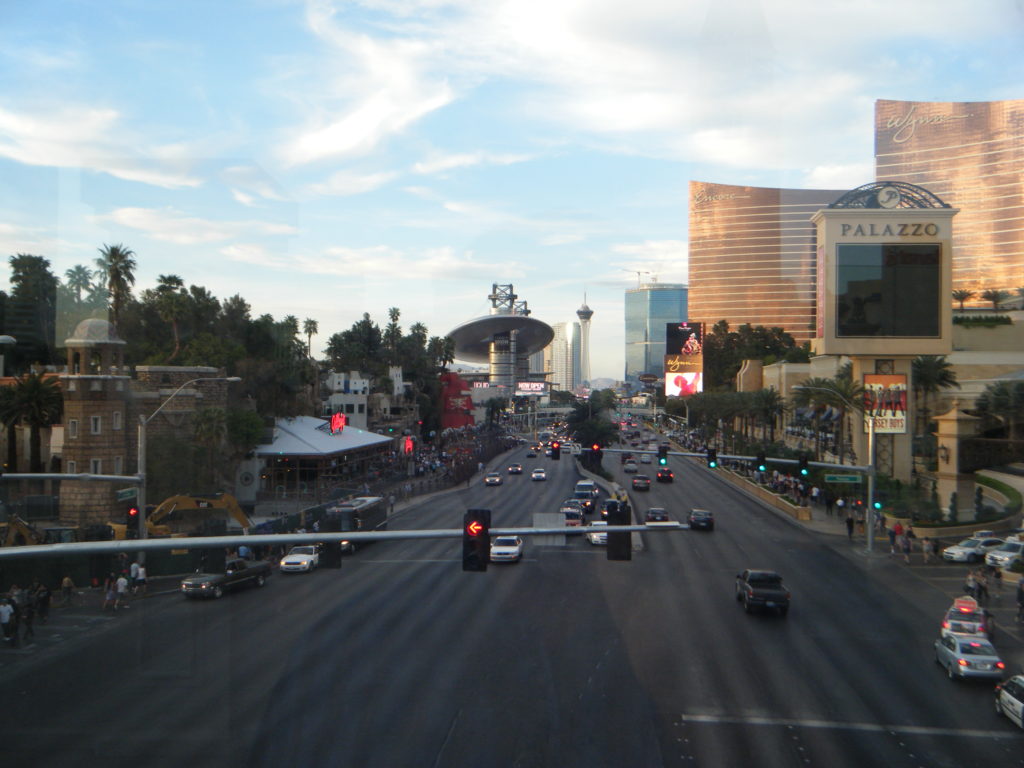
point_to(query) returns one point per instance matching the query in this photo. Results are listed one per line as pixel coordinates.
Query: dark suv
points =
(665, 475)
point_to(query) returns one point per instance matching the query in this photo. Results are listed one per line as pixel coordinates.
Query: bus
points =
(362, 513)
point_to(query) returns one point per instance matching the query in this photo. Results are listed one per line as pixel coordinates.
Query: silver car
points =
(968, 656)
(1006, 555)
(970, 550)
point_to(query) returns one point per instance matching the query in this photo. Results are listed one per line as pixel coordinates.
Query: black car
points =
(641, 483)
(515, 469)
(665, 475)
(701, 518)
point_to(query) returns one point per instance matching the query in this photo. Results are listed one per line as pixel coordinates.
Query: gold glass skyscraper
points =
(970, 154)
(751, 256)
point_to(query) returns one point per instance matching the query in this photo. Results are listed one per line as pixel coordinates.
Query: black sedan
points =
(702, 519)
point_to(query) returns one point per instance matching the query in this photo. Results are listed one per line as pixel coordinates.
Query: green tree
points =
(929, 375)
(38, 402)
(210, 429)
(79, 281)
(961, 295)
(768, 407)
(172, 306)
(310, 328)
(32, 305)
(9, 417)
(1003, 401)
(117, 267)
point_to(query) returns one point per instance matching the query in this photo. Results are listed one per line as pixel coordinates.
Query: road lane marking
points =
(920, 730)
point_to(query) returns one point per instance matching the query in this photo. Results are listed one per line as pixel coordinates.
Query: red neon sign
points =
(338, 422)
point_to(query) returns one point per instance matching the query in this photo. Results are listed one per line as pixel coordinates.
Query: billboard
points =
(885, 400)
(532, 388)
(684, 359)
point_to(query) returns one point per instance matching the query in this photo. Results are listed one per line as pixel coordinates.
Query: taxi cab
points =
(1010, 700)
(966, 617)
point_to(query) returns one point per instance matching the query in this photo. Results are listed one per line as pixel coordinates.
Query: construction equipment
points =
(17, 532)
(180, 515)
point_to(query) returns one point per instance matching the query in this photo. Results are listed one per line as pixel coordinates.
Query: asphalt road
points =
(567, 659)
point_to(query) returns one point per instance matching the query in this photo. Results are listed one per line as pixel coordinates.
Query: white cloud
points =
(848, 176)
(171, 226)
(91, 139)
(345, 183)
(666, 261)
(441, 163)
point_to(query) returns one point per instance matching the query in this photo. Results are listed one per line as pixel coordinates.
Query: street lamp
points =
(870, 518)
(143, 421)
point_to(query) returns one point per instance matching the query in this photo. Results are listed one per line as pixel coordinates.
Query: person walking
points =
(109, 591)
(971, 585)
(982, 587)
(7, 618)
(133, 575)
(892, 540)
(140, 580)
(67, 590)
(905, 546)
(849, 525)
(28, 615)
(43, 596)
(121, 586)
(927, 547)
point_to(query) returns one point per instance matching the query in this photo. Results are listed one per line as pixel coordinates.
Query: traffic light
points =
(556, 450)
(620, 545)
(762, 462)
(132, 522)
(802, 463)
(712, 458)
(663, 455)
(595, 452)
(476, 539)
(877, 504)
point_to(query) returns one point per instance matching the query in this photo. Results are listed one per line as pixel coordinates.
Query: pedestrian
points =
(971, 585)
(7, 617)
(43, 596)
(121, 586)
(1020, 599)
(109, 591)
(927, 547)
(391, 503)
(997, 579)
(133, 574)
(982, 588)
(140, 581)
(849, 525)
(892, 540)
(67, 590)
(897, 531)
(905, 546)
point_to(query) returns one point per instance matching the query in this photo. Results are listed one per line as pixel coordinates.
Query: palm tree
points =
(117, 265)
(9, 418)
(929, 374)
(310, 328)
(842, 394)
(996, 295)
(769, 405)
(962, 295)
(1003, 401)
(79, 279)
(811, 394)
(172, 306)
(38, 402)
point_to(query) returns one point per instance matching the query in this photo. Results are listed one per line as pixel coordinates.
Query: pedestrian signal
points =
(712, 458)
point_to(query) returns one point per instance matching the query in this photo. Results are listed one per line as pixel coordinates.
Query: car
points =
(966, 617)
(701, 518)
(300, 559)
(492, 478)
(596, 535)
(762, 589)
(539, 474)
(573, 505)
(531, 454)
(630, 466)
(657, 516)
(641, 483)
(515, 469)
(645, 458)
(548, 452)
(1006, 555)
(626, 456)
(506, 549)
(607, 505)
(574, 518)
(1010, 700)
(665, 475)
(966, 656)
(971, 550)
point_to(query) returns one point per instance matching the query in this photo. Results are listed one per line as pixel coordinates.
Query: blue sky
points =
(324, 159)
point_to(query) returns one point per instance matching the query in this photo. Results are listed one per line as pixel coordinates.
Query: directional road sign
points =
(842, 478)
(127, 493)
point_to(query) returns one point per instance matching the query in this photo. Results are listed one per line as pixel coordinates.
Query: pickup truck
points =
(237, 572)
(762, 589)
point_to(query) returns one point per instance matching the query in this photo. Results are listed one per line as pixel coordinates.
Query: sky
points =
(325, 159)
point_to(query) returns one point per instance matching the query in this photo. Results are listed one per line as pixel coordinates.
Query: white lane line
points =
(841, 726)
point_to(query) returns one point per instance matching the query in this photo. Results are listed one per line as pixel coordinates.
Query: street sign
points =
(127, 493)
(842, 478)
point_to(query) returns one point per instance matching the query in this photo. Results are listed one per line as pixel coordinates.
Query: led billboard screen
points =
(684, 362)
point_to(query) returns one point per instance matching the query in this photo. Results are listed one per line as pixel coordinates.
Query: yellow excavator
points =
(181, 515)
(16, 532)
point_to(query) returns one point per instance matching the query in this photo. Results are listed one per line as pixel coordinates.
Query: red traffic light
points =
(475, 528)
(595, 447)
(556, 444)
(133, 512)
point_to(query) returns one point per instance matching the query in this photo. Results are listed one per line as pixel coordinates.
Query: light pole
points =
(143, 421)
(869, 521)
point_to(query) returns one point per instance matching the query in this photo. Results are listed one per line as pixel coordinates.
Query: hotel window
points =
(72, 428)
(96, 466)
(116, 420)
(94, 424)
(118, 465)
(71, 468)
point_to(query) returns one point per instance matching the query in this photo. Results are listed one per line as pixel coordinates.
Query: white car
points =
(970, 550)
(538, 474)
(598, 537)
(506, 549)
(1006, 555)
(645, 458)
(630, 466)
(492, 478)
(302, 559)
(1010, 700)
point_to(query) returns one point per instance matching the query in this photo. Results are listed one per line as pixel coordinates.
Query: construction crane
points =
(637, 272)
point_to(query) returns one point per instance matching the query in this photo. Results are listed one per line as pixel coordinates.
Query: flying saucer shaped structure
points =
(504, 339)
